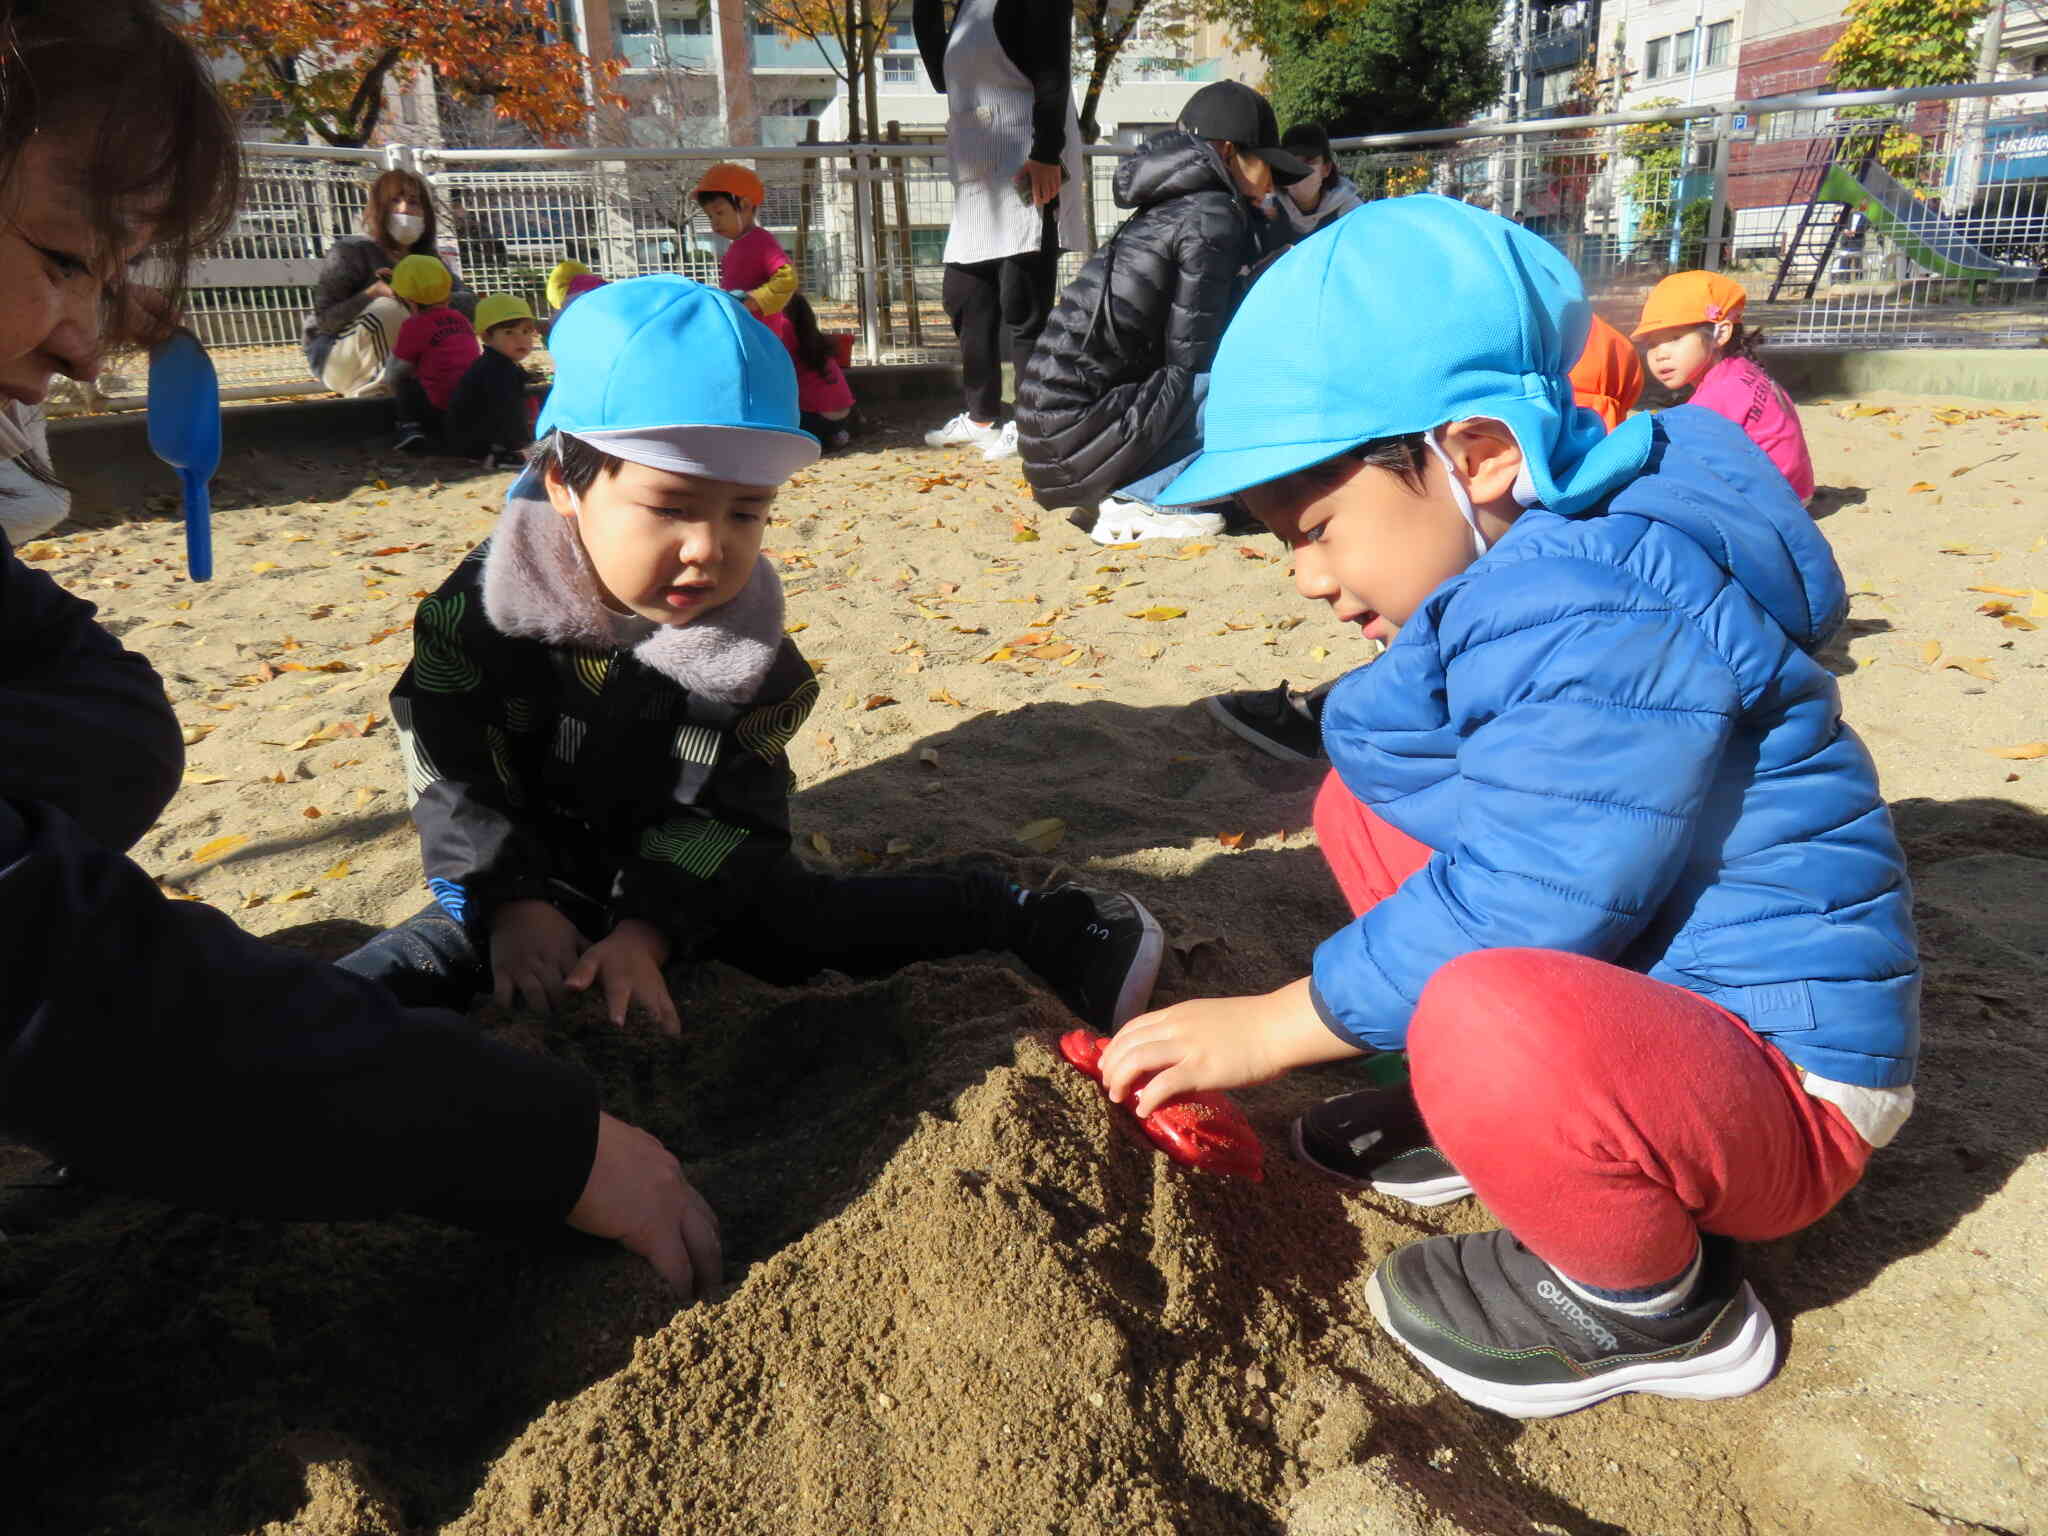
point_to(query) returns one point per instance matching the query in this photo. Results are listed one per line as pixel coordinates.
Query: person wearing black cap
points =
(1110, 402)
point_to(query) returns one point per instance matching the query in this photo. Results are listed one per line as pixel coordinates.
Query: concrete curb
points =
(1969, 373)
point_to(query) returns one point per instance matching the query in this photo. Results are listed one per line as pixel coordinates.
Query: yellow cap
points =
(558, 281)
(1691, 298)
(496, 308)
(421, 280)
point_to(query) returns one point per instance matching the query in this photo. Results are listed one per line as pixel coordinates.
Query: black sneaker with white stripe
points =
(1099, 949)
(1375, 1139)
(1497, 1325)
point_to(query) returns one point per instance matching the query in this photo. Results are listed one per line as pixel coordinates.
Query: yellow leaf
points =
(194, 734)
(2022, 752)
(1191, 551)
(898, 845)
(261, 566)
(1919, 487)
(1976, 666)
(1000, 653)
(2014, 621)
(820, 843)
(1024, 536)
(300, 894)
(380, 485)
(1159, 613)
(1041, 836)
(253, 899)
(337, 871)
(205, 778)
(1931, 652)
(795, 629)
(2002, 591)
(2039, 610)
(40, 552)
(216, 848)
(1319, 653)
(184, 606)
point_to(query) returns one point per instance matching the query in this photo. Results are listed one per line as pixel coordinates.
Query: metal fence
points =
(1935, 234)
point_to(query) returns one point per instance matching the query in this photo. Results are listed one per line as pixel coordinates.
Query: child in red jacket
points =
(434, 350)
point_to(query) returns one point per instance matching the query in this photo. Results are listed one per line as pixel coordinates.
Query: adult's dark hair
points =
(812, 349)
(1307, 141)
(388, 189)
(160, 158)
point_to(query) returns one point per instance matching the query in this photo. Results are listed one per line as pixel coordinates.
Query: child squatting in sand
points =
(600, 698)
(1626, 890)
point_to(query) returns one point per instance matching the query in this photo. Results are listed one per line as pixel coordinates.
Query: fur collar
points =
(538, 585)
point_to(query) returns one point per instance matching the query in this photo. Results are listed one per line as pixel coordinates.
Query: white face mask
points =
(405, 227)
(1306, 191)
(1458, 491)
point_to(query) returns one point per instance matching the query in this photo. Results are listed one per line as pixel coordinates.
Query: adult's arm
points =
(929, 24)
(1038, 35)
(88, 728)
(156, 1048)
(338, 294)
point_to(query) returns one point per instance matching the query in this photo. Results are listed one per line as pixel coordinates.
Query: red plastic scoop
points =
(1200, 1130)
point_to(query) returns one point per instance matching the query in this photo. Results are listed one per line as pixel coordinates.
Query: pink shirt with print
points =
(1737, 388)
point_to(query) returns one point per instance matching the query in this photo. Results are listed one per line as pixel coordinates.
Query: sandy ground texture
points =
(962, 1297)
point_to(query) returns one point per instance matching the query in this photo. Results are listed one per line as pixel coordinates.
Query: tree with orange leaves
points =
(327, 61)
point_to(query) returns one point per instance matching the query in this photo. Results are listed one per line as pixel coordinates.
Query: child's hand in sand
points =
(637, 1195)
(629, 964)
(1217, 1043)
(533, 948)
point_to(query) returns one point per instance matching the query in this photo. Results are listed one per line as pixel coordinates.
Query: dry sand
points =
(962, 1299)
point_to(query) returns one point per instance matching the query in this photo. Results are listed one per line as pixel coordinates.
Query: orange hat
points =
(733, 181)
(1608, 375)
(1691, 298)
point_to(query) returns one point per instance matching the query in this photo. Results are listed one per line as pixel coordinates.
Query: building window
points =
(1681, 53)
(1553, 89)
(763, 28)
(1808, 123)
(638, 20)
(899, 69)
(1653, 58)
(1720, 42)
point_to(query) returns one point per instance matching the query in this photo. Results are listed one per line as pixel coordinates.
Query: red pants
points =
(1605, 1118)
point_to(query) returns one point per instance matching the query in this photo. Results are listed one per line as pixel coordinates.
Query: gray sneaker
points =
(1375, 1139)
(1496, 1325)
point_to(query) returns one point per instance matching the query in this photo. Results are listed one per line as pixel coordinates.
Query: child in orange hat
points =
(754, 269)
(1692, 338)
(1608, 376)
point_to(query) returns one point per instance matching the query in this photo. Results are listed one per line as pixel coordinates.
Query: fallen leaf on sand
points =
(1043, 835)
(2015, 621)
(2021, 753)
(2002, 591)
(929, 757)
(337, 871)
(194, 734)
(205, 778)
(1931, 652)
(2039, 608)
(1319, 653)
(1920, 488)
(261, 566)
(945, 696)
(878, 701)
(1976, 666)
(1192, 551)
(822, 844)
(1851, 412)
(1994, 610)
(218, 847)
(795, 629)
(897, 845)
(970, 629)
(40, 552)
(311, 813)
(1151, 652)
(254, 899)
(175, 892)
(1230, 839)
(1159, 613)
(298, 895)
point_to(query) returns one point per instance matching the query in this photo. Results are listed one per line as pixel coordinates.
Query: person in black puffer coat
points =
(1112, 393)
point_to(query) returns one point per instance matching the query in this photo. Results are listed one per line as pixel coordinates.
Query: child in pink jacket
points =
(1692, 337)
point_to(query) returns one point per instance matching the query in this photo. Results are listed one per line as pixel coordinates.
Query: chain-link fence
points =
(1877, 219)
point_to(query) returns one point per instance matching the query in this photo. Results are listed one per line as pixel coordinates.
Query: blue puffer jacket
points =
(1612, 729)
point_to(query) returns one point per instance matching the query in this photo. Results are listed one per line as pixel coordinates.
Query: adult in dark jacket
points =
(356, 317)
(150, 1044)
(1005, 68)
(1112, 394)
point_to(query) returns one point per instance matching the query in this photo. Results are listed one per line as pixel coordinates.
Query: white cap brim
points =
(743, 455)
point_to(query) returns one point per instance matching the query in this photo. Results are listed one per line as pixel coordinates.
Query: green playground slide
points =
(1931, 242)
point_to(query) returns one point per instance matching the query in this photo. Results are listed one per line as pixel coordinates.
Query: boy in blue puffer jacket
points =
(1626, 890)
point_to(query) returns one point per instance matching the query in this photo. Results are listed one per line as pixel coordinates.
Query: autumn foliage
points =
(327, 60)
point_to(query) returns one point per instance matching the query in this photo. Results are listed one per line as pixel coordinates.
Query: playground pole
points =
(1692, 86)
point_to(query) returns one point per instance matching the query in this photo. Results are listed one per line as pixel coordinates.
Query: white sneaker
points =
(964, 430)
(1005, 445)
(1122, 521)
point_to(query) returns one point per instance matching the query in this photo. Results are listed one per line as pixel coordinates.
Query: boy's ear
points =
(1486, 452)
(558, 492)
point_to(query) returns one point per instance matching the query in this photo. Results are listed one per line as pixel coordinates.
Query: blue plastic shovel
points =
(184, 431)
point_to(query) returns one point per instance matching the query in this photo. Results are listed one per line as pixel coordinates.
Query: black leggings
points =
(983, 297)
(795, 923)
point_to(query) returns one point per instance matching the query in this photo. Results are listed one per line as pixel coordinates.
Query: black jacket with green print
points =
(550, 742)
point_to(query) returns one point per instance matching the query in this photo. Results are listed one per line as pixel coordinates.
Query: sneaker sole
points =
(1740, 1366)
(1135, 995)
(1252, 734)
(1432, 1192)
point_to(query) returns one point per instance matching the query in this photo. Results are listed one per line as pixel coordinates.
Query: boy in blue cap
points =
(1627, 892)
(595, 718)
